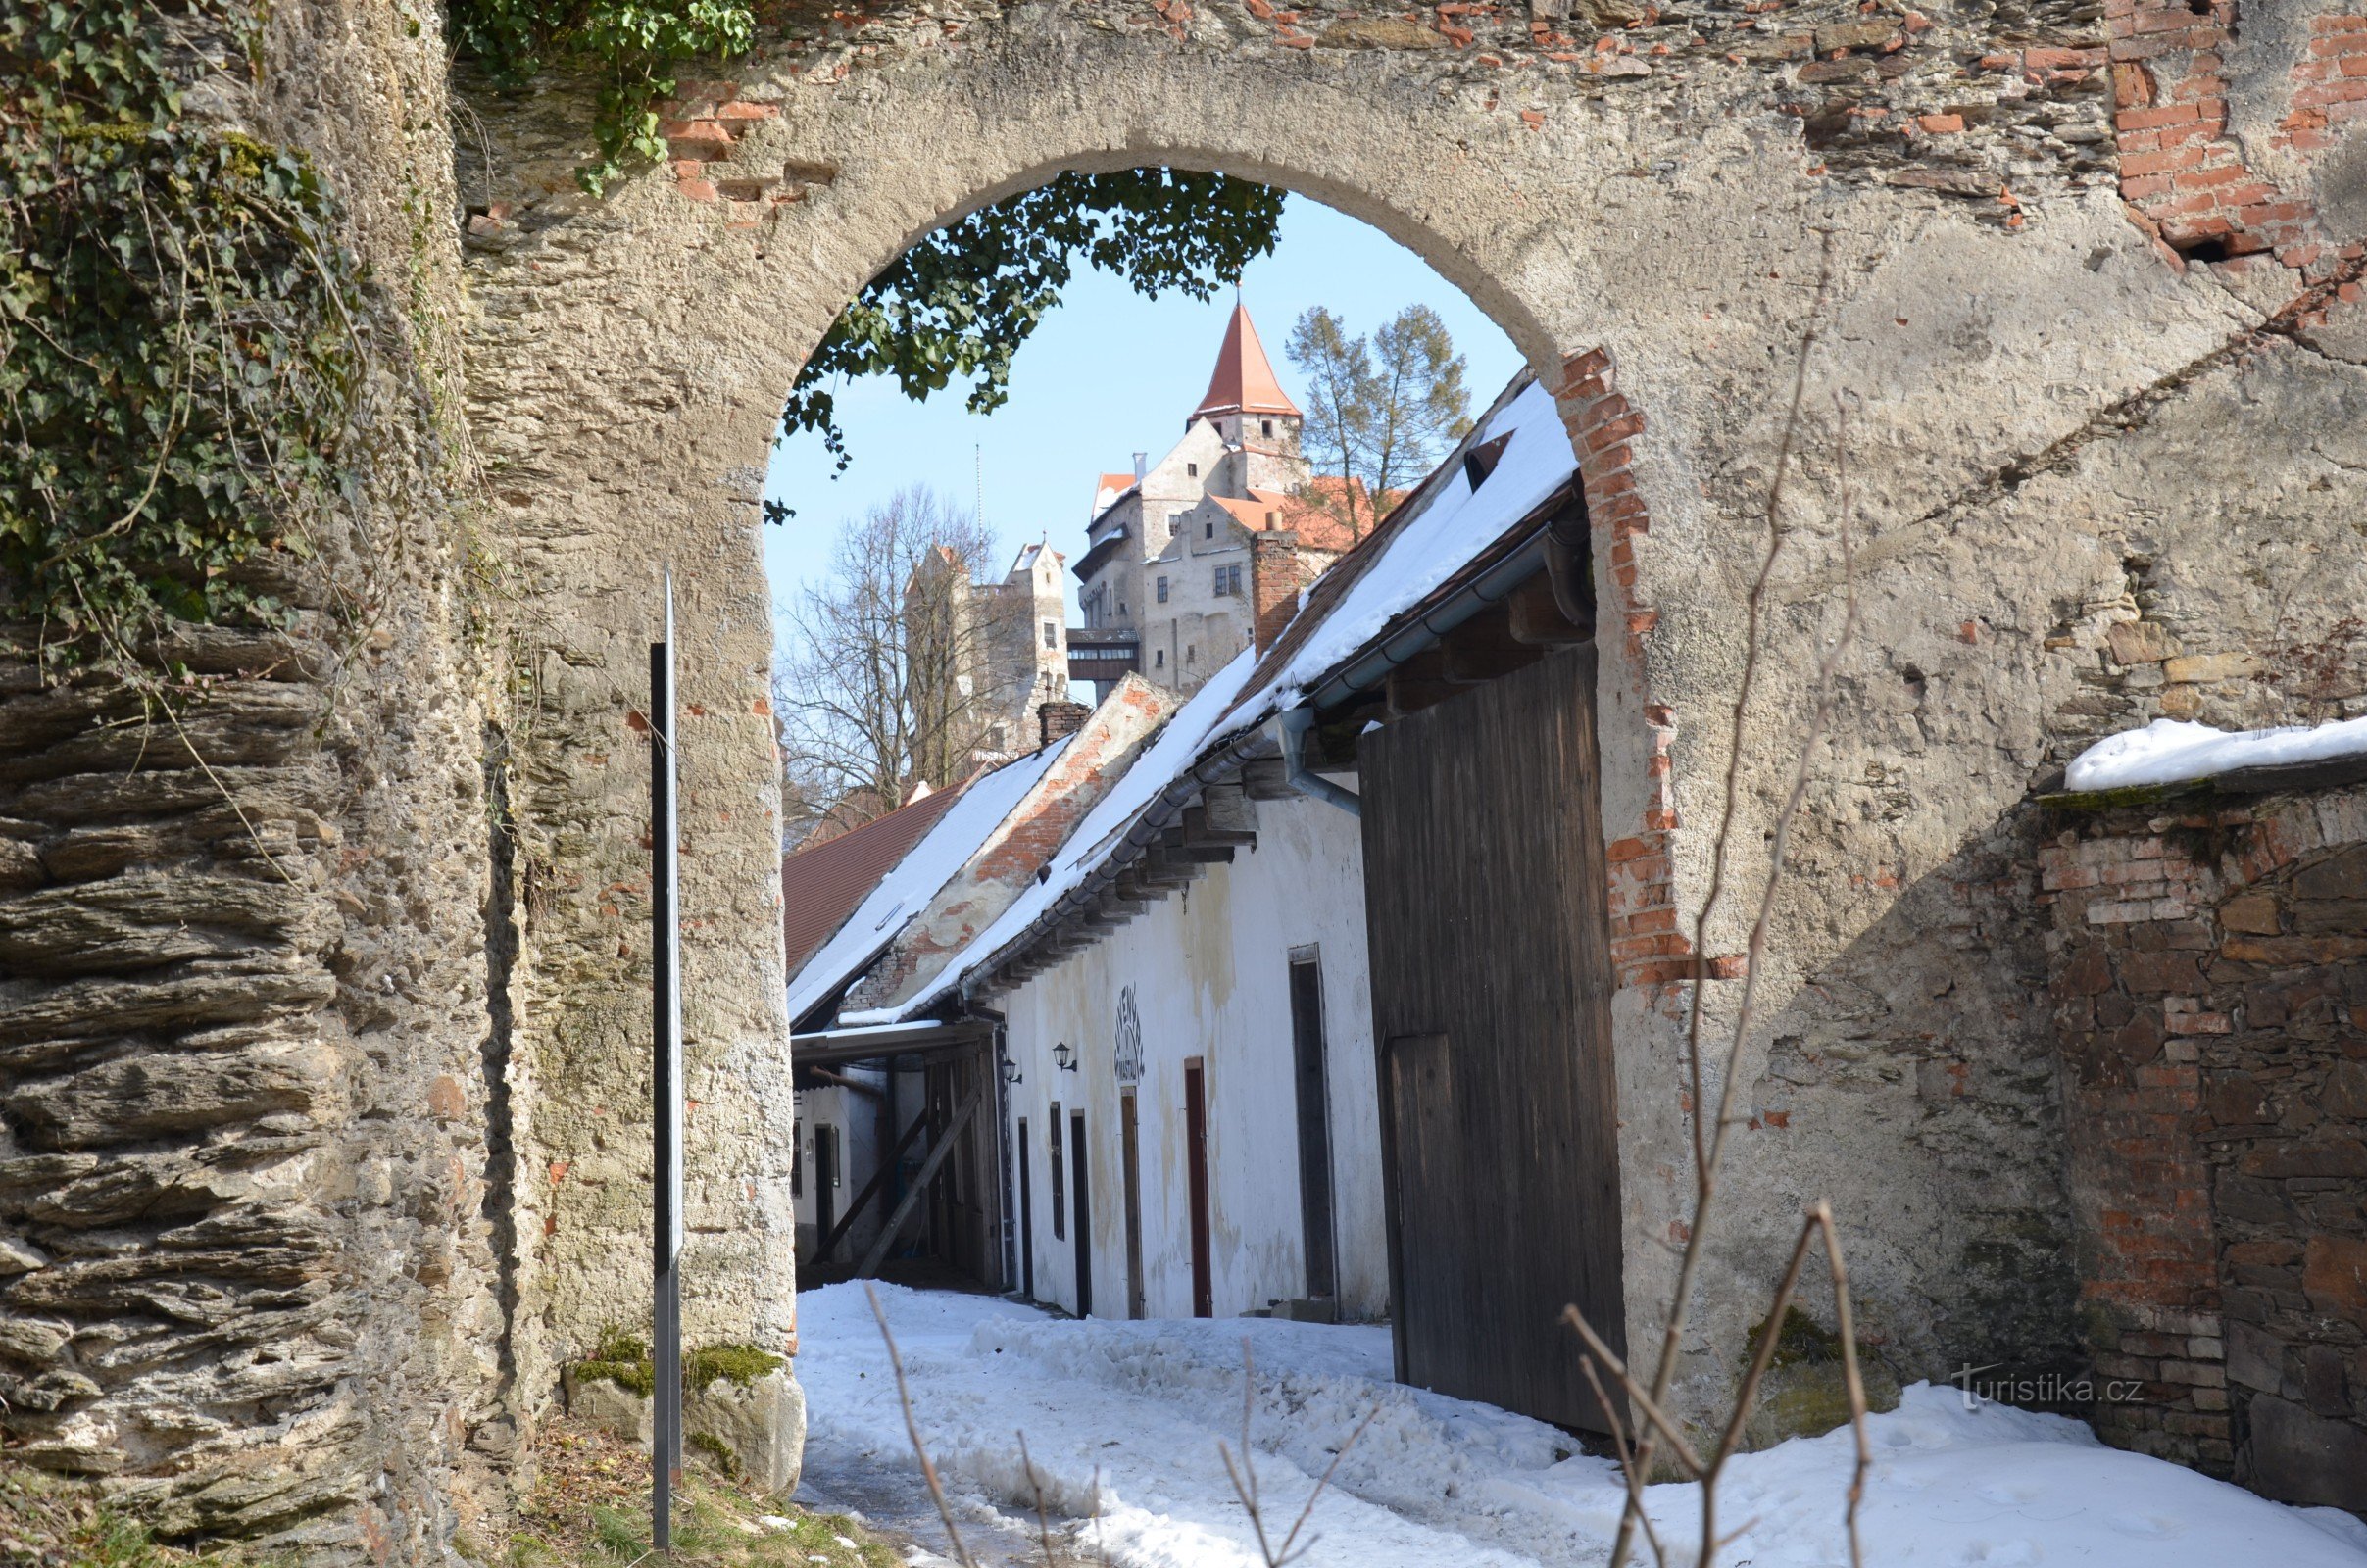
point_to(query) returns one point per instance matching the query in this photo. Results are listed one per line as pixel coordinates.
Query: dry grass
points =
(590, 1509)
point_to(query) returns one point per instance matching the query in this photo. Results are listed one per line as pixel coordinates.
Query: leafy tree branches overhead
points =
(177, 360)
(961, 301)
(632, 46)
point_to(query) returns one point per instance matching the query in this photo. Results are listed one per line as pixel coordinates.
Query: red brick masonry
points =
(2209, 981)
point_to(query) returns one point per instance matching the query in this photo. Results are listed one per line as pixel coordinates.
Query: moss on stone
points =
(727, 1462)
(737, 1363)
(625, 1360)
(1807, 1390)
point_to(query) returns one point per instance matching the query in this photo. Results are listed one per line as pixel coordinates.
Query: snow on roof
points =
(1454, 524)
(2171, 752)
(905, 892)
(1178, 745)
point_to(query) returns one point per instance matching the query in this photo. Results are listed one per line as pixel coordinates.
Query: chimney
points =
(1278, 574)
(1142, 466)
(1056, 719)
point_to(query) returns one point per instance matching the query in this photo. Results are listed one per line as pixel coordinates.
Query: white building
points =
(1165, 573)
(1211, 1144)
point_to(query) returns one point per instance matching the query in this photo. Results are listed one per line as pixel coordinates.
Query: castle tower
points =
(1250, 411)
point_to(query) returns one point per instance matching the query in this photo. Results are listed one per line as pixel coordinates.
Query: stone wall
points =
(2211, 985)
(250, 1247)
(2091, 480)
(1653, 196)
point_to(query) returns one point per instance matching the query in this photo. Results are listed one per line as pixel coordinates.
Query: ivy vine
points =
(178, 357)
(630, 46)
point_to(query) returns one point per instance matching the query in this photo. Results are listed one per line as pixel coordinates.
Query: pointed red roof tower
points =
(1244, 383)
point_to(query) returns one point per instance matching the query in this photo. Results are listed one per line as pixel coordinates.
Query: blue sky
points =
(1106, 374)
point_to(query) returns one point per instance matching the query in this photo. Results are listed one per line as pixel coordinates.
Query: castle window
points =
(1192, 470)
(1163, 590)
(1207, 530)
(1052, 637)
(1160, 661)
(1270, 427)
(1191, 653)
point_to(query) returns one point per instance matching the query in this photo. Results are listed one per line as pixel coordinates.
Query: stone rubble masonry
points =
(315, 1189)
(2210, 991)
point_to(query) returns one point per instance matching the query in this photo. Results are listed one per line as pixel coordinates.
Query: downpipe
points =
(1295, 724)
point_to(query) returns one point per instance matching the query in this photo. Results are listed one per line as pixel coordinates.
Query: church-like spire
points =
(1244, 383)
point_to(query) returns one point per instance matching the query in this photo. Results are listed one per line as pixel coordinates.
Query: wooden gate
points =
(1491, 994)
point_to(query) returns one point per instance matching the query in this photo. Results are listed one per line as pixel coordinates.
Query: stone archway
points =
(2045, 401)
(631, 358)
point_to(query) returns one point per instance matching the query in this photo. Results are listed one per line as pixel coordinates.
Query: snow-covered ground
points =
(1123, 1420)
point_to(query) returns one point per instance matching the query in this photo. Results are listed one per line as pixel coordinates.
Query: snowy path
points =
(1142, 1407)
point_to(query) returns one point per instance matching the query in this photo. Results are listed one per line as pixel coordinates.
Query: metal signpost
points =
(665, 1078)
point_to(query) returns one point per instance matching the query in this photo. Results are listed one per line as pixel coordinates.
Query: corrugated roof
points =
(1244, 383)
(821, 886)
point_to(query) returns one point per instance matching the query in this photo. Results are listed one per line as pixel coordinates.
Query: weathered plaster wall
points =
(2088, 483)
(1209, 973)
(1665, 194)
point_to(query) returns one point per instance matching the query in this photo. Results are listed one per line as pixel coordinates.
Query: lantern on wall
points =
(1064, 1058)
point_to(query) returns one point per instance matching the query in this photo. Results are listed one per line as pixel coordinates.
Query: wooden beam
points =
(1229, 810)
(1533, 618)
(869, 1266)
(1263, 778)
(879, 1177)
(1113, 911)
(1179, 848)
(1201, 833)
(1484, 648)
(1419, 682)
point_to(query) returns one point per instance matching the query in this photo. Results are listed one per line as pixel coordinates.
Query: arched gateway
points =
(365, 1197)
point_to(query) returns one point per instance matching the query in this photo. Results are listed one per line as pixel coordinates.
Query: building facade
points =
(1166, 571)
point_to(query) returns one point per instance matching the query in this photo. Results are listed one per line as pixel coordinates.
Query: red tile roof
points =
(1244, 383)
(1314, 517)
(821, 886)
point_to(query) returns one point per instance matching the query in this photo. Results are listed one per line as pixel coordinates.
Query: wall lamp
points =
(1011, 1071)
(1064, 1058)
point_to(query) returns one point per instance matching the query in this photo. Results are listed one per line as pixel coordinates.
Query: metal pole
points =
(665, 1078)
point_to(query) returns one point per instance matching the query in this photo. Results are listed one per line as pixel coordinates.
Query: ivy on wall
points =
(176, 344)
(631, 46)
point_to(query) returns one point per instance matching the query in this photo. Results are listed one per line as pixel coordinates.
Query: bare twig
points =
(1849, 1367)
(1654, 1417)
(1627, 1459)
(928, 1470)
(1711, 1133)
(1245, 1476)
(1043, 1525)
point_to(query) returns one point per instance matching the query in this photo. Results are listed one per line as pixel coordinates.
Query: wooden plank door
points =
(1315, 1127)
(1131, 1151)
(1195, 1159)
(1490, 992)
